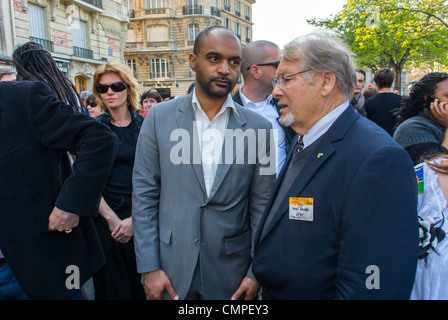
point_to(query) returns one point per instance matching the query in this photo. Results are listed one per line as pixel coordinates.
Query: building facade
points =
(80, 34)
(161, 35)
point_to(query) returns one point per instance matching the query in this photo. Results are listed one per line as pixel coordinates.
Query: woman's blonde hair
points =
(125, 73)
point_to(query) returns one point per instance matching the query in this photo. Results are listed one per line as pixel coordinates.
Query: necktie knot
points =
(300, 145)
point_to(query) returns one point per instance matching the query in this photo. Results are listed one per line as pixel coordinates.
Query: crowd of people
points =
(300, 185)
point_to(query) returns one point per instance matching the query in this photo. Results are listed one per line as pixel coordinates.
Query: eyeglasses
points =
(116, 87)
(92, 105)
(280, 80)
(275, 64)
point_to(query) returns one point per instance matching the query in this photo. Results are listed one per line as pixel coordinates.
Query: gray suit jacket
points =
(173, 219)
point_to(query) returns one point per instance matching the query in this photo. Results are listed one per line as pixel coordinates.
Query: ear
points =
(255, 72)
(192, 61)
(328, 83)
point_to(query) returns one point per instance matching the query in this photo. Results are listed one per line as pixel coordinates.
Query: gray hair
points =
(85, 94)
(324, 53)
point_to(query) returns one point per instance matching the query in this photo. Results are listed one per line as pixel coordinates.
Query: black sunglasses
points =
(116, 87)
(275, 64)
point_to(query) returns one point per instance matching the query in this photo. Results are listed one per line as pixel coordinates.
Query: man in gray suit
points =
(203, 174)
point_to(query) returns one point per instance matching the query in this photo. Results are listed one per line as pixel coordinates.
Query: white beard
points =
(287, 120)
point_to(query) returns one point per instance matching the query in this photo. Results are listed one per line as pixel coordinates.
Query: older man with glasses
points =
(258, 67)
(342, 219)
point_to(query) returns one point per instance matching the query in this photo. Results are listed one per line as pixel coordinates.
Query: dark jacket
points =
(137, 120)
(36, 133)
(363, 194)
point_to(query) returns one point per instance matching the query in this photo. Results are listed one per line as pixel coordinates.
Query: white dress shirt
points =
(269, 111)
(211, 137)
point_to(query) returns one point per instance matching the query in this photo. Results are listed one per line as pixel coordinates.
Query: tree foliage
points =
(392, 33)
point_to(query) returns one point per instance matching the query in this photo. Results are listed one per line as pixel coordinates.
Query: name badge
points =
(301, 209)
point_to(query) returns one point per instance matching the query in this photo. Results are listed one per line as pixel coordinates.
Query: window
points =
(157, 34)
(227, 23)
(151, 4)
(247, 13)
(247, 34)
(237, 8)
(81, 84)
(160, 68)
(193, 31)
(238, 30)
(226, 5)
(131, 64)
(79, 34)
(37, 21)
(3, 46)
(38, 27)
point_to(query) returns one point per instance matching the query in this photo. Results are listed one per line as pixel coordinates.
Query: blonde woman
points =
(115, 90)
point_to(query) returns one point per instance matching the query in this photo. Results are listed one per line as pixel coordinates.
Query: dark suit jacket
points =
(289, 132)
(365, 214)
(36, 131)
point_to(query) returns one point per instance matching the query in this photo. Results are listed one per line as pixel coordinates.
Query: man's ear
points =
(255, 72)
(192, 61)
(328, 83)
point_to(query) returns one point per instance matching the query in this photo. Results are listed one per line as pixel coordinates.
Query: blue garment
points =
(9, 287)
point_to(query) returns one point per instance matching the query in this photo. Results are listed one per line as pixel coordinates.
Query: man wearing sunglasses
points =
(194, 218)
(258, 68)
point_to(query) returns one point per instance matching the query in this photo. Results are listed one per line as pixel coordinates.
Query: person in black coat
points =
(381, 107)
(47, 236)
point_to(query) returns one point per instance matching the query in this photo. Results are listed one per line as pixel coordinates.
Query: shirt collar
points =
(322, 126)
(227, 104)
(245, 100)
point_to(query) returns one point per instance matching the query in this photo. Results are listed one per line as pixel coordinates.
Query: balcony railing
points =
(215, 12)
(155, 44)
(192, 9)
(82, 52)
(47, 44)
(96, 3)
(155, 11)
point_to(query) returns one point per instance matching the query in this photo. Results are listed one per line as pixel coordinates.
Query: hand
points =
(123, 232)
(155, 283)
(248, 286)
(439, 112)
(62, 221)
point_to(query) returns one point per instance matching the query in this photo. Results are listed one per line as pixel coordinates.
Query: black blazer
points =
(289, 132)
(36, 132)
(364, 195)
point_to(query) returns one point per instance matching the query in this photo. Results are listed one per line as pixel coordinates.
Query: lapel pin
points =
(319, 155)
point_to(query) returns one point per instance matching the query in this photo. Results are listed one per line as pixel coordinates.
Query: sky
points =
(281, 21)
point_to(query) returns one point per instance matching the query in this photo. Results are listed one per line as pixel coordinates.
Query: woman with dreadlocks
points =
(423, 117)
(34, 63)
(48, 242)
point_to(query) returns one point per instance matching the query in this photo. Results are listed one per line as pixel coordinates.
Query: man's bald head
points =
(256, 52)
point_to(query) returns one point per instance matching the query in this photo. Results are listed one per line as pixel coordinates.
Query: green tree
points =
(392, 33)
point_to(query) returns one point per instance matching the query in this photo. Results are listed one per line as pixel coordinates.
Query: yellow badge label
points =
(301, 209)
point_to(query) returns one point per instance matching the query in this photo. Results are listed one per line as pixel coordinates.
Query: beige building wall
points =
(80, 34)
(162, 32)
